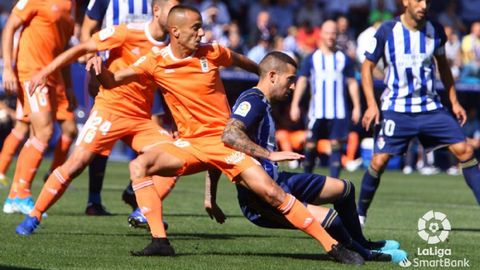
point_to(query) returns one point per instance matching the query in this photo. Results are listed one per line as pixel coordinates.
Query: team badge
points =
(380, 143)
(181, 143)
(204, 64)
(243, 108)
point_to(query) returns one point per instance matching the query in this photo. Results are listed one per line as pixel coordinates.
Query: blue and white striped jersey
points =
(115, 12)
(410, 66)
(327, 75)
(254, 110)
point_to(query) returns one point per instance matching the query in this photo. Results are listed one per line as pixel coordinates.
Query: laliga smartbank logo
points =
(434, 228)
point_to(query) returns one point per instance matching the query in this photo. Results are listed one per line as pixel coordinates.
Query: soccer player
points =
(102, 14)
(412, 48)
(188, 75)
(47, 27)
(251, 129)
(330, 73)
(123, 113)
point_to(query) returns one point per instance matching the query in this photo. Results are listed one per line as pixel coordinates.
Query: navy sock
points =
(370, 182)
(96, 173)
(347, 210)
(335, 162)
(471, 173)
(309, 162)
(334, 226)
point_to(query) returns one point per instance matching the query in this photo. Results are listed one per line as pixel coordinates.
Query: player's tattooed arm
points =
(235, 136)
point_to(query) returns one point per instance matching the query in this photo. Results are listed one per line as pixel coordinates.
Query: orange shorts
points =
(103, 129)
(43, 100)
(199, 154)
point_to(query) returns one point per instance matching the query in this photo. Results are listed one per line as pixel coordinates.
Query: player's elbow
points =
(227, 138)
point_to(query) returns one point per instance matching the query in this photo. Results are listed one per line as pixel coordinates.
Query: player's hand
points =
(371, 116)
(459, 113)
(295, 113)
(95, 64)
(38, 81)
(356, 113)
(214, 212)
(10, 81)
(284, 156)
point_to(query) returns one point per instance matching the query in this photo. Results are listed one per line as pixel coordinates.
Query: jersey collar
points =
(151, 39)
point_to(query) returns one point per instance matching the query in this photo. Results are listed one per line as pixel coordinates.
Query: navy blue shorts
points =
(157, 106)
(333, 129)
(434, 129)
(304, 186)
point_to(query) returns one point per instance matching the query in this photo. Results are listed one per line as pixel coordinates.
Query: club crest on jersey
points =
(243, 108)
(181, 143)
(380, 143)
(106, 33)
(204, 64)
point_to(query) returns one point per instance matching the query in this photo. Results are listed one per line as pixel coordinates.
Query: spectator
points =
(290, 43)
(311, 13)
(257, 52)
(453, 51)
(235, 41)
(284, 16)
(261, 29)
(389, 5)
(450, 18)
(379, 13)
(471, 54)
(214, 29)
(255, 9)
(307, 38)
(346, 37)
(221, 11)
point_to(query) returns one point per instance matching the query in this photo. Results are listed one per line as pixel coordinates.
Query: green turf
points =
(68, 239)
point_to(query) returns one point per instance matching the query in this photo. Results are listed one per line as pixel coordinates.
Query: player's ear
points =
(272, 75)
(175, 32)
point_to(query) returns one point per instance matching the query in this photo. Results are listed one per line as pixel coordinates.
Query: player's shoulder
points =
(209, 49)
(438, 28)
(387, 26)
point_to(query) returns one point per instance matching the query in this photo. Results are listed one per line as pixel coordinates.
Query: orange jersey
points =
(191, 86)
(48, 27)
(126, 43)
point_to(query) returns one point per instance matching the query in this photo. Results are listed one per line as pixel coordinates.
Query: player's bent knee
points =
(462, 151)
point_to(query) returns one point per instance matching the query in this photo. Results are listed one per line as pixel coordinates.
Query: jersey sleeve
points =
(306, 66)
(26, 9)
(221, 55)
(376, 48)
(96, 9)
(249, 109)
(110, 37)
(144, 67)
(349, 70)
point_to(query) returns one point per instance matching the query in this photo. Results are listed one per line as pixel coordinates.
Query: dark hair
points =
(182, 8)
(275, 60)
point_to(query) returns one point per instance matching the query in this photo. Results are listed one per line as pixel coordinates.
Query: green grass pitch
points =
(68, 239)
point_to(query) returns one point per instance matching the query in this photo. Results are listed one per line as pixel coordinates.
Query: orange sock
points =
(163, 185)
(52, 190)
(300, 217)
(150, 204)
(16, 176)
(61, 151)
(31, 155)
(10, 146)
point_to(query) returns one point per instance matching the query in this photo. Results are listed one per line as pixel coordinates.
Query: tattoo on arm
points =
(235, 136)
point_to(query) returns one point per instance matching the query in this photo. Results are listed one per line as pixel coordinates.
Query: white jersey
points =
(410, 65)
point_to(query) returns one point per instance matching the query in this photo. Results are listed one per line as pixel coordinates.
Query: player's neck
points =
(326, 50)
(156, 31)
(263, 87)
(179, 51)
(411, 23)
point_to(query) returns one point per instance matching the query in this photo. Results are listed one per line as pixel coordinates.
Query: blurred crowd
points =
(256, 27)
